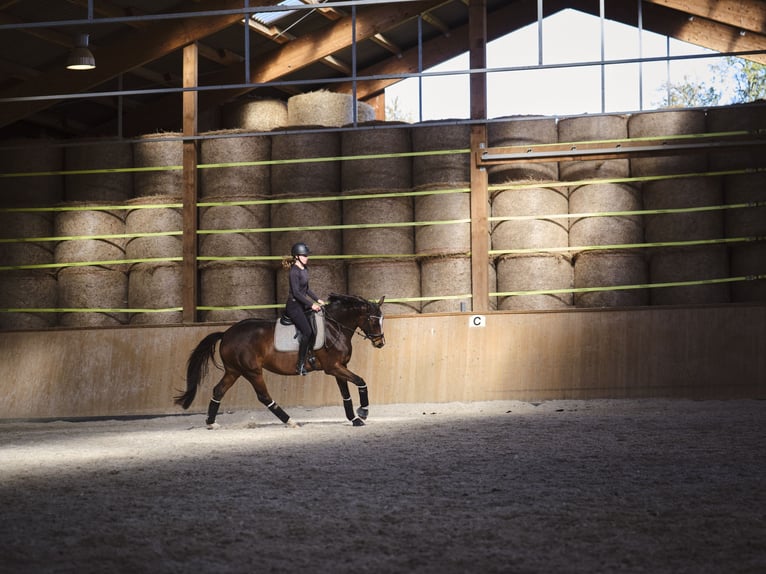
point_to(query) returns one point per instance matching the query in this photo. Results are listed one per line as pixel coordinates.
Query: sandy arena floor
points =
(649, 486)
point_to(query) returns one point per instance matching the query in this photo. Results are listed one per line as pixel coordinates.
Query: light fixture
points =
(81, 58)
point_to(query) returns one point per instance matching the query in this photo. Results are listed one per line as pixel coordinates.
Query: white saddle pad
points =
(285, 335)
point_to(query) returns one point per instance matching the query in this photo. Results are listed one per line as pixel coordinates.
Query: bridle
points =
(374, 338)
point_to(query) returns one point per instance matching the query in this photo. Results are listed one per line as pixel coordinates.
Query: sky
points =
(568, 37)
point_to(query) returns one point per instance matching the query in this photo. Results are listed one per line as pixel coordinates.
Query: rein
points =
(355, 330)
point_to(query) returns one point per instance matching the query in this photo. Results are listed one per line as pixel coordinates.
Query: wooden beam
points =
(189, 239)
(502, 21)
(477, 39)
(287, 59)
(135, 49)
(695, 30)
(748, 15)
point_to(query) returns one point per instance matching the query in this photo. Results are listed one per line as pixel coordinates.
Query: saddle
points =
(286, 333)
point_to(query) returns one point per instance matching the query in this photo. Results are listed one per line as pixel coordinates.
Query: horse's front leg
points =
(259, 386)
(358, 418)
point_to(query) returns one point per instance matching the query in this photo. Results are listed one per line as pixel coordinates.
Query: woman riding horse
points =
(301, 301)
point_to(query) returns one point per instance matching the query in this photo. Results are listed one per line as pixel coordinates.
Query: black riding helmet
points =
(300, 249)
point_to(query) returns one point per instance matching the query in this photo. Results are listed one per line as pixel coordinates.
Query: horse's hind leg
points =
(219, 391)
(259, 385)
(348, 404)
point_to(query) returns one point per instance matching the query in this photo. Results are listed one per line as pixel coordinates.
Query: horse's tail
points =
(196, 367)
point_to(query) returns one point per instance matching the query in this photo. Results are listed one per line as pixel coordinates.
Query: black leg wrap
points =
(348, 405)
(278, 412)
(364, 400)
(212, 411)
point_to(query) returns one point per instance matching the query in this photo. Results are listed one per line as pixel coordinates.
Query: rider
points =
(300, 302)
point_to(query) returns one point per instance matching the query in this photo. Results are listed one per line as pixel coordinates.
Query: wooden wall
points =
(706, 352)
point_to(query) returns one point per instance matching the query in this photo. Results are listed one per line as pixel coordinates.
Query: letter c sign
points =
(477, 321)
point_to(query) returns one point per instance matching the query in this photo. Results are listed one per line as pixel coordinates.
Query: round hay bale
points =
(327, 277)
(27, 289)
(255, 115)
(593, 128)
(90, 222)
(155, 286)
(683, 193)
(313, 214)
(325, 108)
(234, 284)
(162, 150)
(451, 170)
(92, 288)
(26, 225)
(377, 138)
(689, 263)
(154, 220)
(745, 221)
(748, 260)
(399, 240)
(396, 279)
(667, 123)
(739, 117)
(222, 217)
(518, 131)
(442, 277)
(608, 269)
(32, 156)
(236, 181)
(447, 238)
(605, 230)
(106, 187)
(309, 178)
(530, 233)
(534, 272)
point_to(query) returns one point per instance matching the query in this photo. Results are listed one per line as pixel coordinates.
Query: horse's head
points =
(372, 323)
(359, 313)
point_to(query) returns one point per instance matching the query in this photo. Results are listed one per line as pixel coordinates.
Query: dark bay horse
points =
(247, 348)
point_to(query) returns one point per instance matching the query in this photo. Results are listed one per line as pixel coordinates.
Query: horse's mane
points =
(351, 300)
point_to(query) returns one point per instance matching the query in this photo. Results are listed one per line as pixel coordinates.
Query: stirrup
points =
(300, 369)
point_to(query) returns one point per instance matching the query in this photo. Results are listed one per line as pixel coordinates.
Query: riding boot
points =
(303, 347)
(312, 360)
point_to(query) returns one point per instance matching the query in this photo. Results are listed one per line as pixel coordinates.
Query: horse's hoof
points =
(363, 413)
(213, 426)
(292, 424)
(357, 422)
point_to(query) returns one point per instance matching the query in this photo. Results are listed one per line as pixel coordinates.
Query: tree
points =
(394, 111)
(731, 81)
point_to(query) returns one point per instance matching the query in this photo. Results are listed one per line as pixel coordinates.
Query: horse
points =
(247, 348)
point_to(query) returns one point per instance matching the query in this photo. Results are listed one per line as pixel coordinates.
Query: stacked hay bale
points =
(518, 189)
(103, 284)
(28, 288)
(603, 267)
(745, 259)
(106, 186)
(680, 263)
(156, 284)
(371, 277)
(305, 176)
(445, 266)
(255, 115)
(329, 109)
(237, 190)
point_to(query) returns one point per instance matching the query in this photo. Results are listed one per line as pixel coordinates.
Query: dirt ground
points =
(561, 486)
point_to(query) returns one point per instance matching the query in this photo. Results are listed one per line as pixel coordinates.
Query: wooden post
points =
(189, 273)
(477, 39)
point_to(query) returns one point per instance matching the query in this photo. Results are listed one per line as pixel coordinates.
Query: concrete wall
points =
(706, 352)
